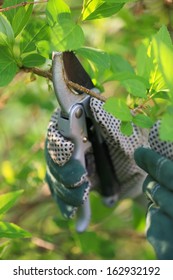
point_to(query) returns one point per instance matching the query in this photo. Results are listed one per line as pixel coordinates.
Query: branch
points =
(86, 90)
(23, 4)
(38, 71)
(48, 75)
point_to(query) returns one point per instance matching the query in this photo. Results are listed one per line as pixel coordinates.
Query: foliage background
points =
(26, 105)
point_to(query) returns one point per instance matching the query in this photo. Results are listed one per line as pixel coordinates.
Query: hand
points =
(65, 176)
(70, 183)
(158, 187)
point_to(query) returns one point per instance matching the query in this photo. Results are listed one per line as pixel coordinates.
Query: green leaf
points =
(12, 12)
(3, 247)
(54, 8)
(98, 58)
(66, 35)
(126, 128)
(157, 79)
(45, 48)
(33, 33)
(160, 46)
(101, 8)
(21, 18)
(166, 127)
(10, 230)
(143, 61)
(121, 76)
(119, 64)
(135, 87)
(32, 60)
(91, 242)
(96, 203)
(162, 95)
(8, 67)
(6, 29)
(165, 64)
(163, 35)
(3, 39)
(143, 121)
(8, 200)
(118, 108)
(139, 220)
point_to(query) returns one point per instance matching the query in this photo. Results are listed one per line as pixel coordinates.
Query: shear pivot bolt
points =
(85, 139)
(78, 113)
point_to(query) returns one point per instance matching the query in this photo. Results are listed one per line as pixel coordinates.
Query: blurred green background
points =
(25, 109)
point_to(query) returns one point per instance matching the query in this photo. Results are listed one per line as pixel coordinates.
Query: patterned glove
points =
(70, 183)
(158, 188)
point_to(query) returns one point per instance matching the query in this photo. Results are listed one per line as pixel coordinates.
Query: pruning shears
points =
(75, 122)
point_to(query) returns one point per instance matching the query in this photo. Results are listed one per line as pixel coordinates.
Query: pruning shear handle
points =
(76, 123)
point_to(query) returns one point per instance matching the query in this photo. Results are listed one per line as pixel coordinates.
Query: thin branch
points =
(86, 90)
(75, 86)
(48, 75)
(23, 4)
(39, 72)
(142, 105)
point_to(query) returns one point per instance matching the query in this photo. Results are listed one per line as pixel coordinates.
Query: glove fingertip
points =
(141, 156)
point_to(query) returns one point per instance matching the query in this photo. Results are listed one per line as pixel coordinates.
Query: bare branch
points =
(39, 72)
(86, 90)
(48, 75)
(23, 4)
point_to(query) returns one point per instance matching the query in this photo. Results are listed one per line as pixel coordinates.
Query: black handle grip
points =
(109, 185)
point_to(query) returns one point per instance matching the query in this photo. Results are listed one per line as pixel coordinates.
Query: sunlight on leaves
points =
(101, 8)
(54, 8)
(67, 35)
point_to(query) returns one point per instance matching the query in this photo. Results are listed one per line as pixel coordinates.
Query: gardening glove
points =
(158, 187)
(70, 183)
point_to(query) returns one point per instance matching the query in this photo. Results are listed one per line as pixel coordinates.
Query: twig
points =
(143, 104)
(48, 75)
(23, 4)
(86, 90)
(38, 71)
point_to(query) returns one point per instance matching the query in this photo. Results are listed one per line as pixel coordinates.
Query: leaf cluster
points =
(150, 82)
(26, 43)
